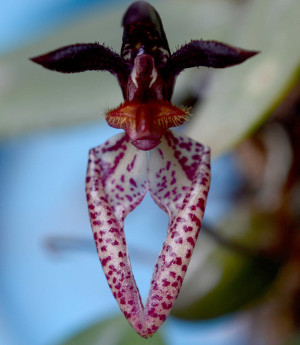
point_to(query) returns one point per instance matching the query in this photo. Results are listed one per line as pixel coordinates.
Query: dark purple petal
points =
(84, 57)
(206, 53)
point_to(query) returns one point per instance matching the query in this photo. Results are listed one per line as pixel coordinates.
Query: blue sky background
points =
(22, 22)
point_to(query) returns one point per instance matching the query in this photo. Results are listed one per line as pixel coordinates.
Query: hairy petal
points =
(206, 53)
(179, 175)
(115, 184)
(84, 57)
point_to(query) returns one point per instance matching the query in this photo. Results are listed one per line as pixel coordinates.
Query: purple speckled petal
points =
(116, 183)
(117, 180)
(179, 176)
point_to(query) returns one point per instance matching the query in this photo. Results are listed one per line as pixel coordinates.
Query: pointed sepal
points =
(206, 53)
(84, 57)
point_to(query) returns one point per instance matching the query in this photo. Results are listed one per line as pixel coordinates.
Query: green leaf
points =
(114, 331)
(243, 97)
(293, 340)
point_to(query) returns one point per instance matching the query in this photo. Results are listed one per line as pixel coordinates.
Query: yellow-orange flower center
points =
(145, 123)
(156, 115)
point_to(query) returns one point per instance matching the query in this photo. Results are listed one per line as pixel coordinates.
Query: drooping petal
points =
(116, 183)
(179, 176)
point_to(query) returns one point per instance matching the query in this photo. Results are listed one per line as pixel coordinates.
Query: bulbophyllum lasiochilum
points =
(120, 172)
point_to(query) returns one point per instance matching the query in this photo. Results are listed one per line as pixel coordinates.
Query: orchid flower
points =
(176, 170)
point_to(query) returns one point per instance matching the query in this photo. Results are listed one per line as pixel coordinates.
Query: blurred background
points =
(243, 283)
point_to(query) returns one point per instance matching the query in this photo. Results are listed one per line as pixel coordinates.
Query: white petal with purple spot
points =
(116, 183)
(177, 175)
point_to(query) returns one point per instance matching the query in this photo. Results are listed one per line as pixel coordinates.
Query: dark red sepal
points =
(85, 57)
(206, 53)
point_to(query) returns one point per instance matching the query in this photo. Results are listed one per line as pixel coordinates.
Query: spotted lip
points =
(145, 144)
(118, 178)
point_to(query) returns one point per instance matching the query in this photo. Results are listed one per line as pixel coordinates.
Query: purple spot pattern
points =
(107, 190)
(177, 175)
